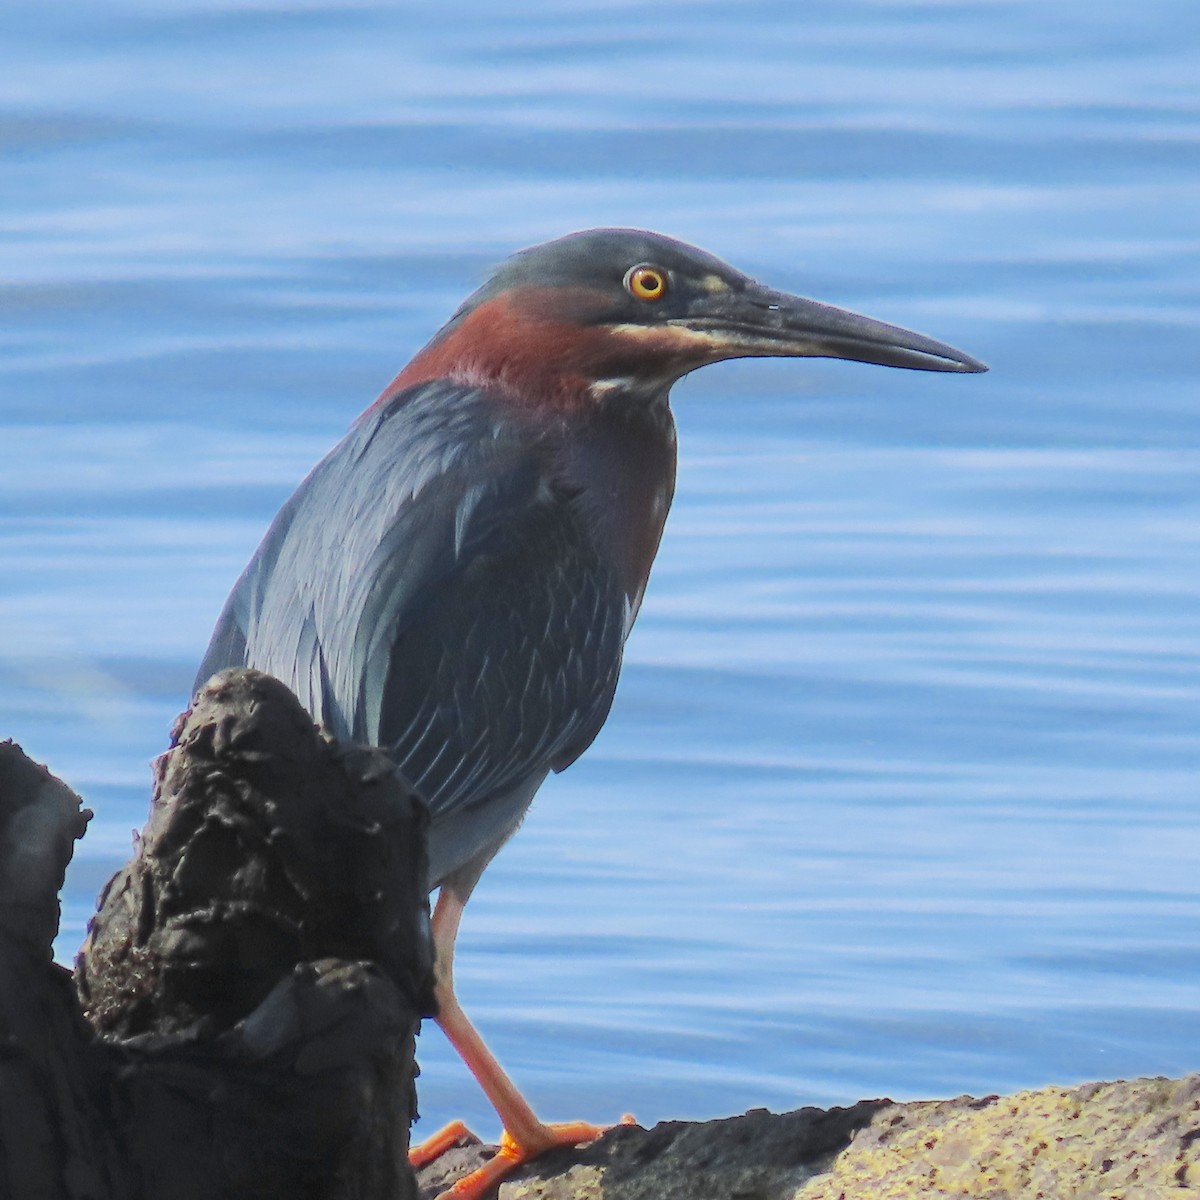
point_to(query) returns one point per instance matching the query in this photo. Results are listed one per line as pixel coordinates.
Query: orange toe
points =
(432, 1148)
(480, 1182)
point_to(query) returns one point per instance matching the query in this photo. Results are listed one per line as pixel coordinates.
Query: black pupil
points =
(650, 282)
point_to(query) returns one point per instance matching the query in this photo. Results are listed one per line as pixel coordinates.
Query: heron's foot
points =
(432, 1148)
(512, 1154)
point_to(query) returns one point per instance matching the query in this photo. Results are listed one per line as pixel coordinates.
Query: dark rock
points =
(456, 1162)
(309, 1097)
(759, 1156)
(54, 1141)
(258, 972)
(40, 821)
(267, 846)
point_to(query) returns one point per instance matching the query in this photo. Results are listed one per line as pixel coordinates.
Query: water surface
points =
(899, 795)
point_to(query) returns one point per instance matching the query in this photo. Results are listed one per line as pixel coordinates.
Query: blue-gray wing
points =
(430, 588)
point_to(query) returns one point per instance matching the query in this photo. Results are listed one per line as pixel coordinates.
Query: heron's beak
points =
(759, 322)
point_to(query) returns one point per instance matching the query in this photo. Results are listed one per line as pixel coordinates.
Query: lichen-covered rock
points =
(1130, 1140)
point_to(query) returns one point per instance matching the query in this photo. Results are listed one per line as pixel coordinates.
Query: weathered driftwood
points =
(254, 977)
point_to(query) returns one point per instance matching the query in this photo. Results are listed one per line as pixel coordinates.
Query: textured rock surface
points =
(40, 821)
(1120, 1141)
(267, 846)
(258, 997)
(53, 1142)
(1135, 1139)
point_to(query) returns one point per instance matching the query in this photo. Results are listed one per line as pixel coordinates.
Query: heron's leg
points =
(524, 1137)
(453, 895)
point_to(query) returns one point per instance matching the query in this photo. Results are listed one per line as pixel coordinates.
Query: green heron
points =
(455, 581)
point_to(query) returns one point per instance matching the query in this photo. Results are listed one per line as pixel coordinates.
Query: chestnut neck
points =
(611, 447)
(532, 348)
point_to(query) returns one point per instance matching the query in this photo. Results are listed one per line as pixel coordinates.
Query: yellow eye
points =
(646, 283)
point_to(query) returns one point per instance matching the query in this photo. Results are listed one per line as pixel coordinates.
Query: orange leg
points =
(524, 1137)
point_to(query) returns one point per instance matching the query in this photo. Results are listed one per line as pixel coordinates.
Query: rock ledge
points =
(1136, 1140)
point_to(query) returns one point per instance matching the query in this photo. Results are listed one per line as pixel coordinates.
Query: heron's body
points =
(449, 583)
(456, 580)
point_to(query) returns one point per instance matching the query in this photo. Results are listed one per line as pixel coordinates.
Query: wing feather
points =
(430, 588)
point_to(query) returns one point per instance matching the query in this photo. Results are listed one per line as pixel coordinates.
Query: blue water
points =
(900, 793)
